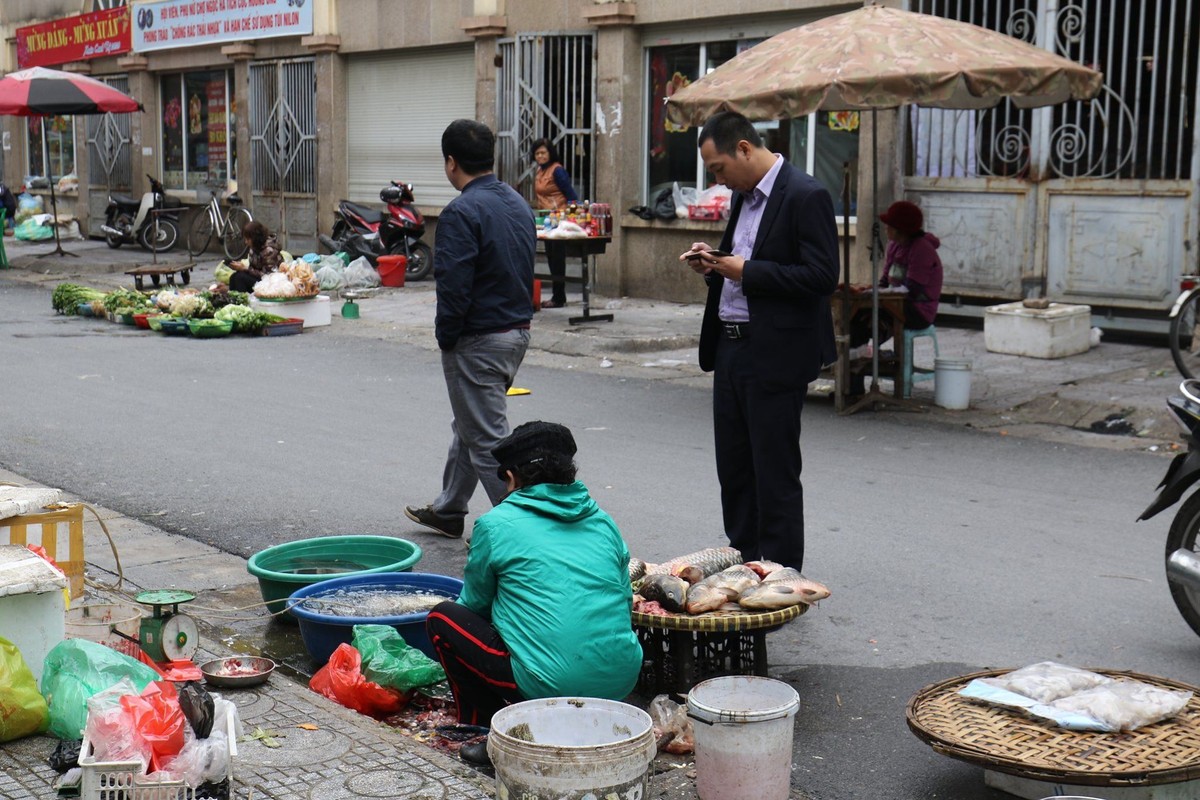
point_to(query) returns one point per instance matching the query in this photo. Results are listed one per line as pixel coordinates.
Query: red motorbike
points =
(363, 231)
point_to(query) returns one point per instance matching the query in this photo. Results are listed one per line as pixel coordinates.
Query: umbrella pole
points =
(842, 377)
(875, 396)
(57, 251)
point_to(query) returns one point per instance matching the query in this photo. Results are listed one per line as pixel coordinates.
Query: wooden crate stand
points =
(60, 533)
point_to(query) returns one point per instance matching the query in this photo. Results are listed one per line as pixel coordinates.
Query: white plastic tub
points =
(743, 726)
(571, 747)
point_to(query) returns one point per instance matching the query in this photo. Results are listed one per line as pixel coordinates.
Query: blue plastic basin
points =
(322, 633)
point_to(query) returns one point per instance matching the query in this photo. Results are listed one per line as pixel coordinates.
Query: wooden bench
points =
(155, 273)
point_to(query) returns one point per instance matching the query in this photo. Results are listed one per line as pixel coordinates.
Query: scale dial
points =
(180, 637)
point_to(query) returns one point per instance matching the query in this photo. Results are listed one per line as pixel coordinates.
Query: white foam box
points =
(314, 312)
(32, 605)
(1055, 332)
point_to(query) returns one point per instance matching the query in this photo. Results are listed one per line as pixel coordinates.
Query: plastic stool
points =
(911, 373)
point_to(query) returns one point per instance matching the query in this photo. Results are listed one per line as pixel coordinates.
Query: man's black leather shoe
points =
(451, 527)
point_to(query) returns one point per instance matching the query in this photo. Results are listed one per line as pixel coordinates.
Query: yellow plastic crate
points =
(59, 531)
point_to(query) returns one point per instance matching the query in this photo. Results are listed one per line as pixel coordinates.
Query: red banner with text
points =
(101, 33)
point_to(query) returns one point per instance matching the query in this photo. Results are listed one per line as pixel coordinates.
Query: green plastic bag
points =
(75, 670)
(23, 710)
(390, 661)
(222, 273)
(30, 231)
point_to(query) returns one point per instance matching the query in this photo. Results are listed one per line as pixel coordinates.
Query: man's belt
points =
(735, 330)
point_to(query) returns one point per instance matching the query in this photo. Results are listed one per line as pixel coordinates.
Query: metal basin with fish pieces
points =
(329, 610)
(237, 672)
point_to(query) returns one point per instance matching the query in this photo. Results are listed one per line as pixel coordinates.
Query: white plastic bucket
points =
(743, 727)
(571, 748)
(952, 382)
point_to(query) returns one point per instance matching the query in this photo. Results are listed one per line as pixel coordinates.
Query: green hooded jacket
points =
(551, 572)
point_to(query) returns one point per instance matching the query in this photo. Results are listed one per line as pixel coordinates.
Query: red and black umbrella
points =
(38, 91)
(41, 92)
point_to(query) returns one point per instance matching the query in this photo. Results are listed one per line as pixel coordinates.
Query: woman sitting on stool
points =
(545, 605)
(263, 257)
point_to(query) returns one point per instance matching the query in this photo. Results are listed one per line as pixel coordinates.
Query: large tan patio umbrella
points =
(879, 57)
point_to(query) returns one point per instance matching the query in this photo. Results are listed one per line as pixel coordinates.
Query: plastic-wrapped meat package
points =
(1047, 681)
(1126, 705)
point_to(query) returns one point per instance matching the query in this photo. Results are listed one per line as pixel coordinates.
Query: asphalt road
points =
(947, 550)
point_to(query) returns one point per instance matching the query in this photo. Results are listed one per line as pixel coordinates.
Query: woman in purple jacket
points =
(912, 262)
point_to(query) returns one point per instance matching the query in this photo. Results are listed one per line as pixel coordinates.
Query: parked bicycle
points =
(1185, 317)
(228, 226)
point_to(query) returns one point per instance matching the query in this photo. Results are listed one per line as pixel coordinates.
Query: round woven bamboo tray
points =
(1008, 741)
(719, 622)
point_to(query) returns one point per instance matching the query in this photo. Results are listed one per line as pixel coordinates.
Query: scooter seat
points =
(170, 201)
(124, 200)
(367, 214)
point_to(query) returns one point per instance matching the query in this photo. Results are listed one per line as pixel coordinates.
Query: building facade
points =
(1090, 202)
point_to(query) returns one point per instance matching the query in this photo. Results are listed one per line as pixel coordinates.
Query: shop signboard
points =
(84, 36)
(187, 23)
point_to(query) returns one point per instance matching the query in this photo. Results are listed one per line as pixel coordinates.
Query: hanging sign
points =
(187, 23)
(102, 33)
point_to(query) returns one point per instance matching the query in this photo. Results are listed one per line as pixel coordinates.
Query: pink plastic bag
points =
(158, 720)
(342, 681)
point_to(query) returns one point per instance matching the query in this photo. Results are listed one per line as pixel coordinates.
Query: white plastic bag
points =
(329, 278)
(361, 275)
(1126, 705)
(672, 728)
(1047, 681)
(684, 196)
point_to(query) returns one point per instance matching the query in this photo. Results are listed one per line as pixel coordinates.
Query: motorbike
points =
(359, 230)
(128, 220)
(1182, 555)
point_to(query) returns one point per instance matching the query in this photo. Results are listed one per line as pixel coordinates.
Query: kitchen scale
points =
(350, 307)
(168, 635)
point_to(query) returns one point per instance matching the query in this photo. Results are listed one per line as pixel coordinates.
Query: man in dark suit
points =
(767, 331)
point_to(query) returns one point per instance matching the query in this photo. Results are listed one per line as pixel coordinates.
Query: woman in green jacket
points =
(545, 606)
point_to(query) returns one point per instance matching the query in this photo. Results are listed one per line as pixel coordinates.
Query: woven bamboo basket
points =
(1009, 741)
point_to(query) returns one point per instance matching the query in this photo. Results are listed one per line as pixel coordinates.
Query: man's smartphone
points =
(717, 253)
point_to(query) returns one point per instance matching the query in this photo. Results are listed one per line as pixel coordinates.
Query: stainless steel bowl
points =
(237, 672)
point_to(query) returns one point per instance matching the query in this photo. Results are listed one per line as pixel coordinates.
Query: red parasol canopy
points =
(38, 91)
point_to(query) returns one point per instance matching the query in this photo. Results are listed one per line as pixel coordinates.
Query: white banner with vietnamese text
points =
(187, 23)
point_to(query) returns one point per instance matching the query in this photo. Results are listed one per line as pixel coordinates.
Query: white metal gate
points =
(546, 88)
(1085, 202)
(283, 150)
(109, 165)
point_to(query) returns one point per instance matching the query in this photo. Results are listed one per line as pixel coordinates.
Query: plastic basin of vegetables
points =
(155, 321)
(173, 326)
(126, 318)
(323, 632)
(209, 328)
(286, 567)
(143, 320)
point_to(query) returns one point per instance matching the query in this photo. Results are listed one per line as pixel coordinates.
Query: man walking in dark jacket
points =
(483, 265)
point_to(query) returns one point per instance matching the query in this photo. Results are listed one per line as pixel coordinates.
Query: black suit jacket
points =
(787, 282)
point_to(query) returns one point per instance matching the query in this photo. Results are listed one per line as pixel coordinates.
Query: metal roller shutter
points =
(399, 104)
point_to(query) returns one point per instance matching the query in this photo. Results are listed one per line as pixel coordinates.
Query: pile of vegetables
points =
(220, 296)
(127, 301)
(246, 319)
(68, 296)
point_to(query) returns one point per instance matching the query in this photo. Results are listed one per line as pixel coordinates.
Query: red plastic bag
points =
(342, 681)
(158, 719)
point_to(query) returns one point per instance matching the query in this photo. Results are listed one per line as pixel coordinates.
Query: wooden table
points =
(844, 369)
(585, 249)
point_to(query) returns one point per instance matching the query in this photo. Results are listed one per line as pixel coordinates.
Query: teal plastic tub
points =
(286, 567)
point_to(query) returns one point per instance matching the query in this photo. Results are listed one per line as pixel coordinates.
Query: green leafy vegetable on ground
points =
(68, 296)
(127, 301)
(246, 319)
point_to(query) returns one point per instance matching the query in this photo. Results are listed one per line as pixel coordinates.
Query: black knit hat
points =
(532, 441)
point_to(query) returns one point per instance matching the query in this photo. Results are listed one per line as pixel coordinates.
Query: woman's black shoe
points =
(475, 753)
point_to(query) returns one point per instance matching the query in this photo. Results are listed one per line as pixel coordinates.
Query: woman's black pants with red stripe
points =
(477, 662)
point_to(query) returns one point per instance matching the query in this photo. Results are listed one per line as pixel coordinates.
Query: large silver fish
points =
(716, 590)
(710, 561)
(670, 591)
(782, 589)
